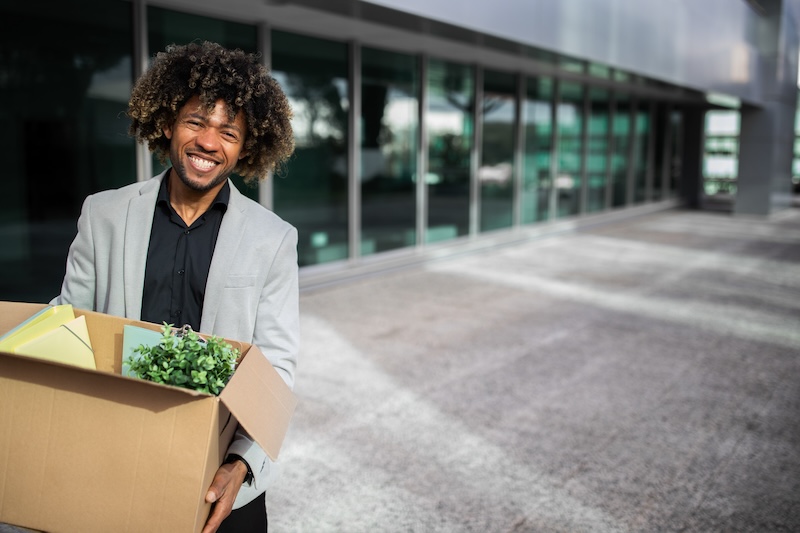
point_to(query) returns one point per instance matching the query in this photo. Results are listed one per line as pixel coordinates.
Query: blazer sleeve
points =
(78, 287)
(277, 336)
(277, 327)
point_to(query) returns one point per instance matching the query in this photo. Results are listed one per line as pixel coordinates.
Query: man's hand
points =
(222, 493)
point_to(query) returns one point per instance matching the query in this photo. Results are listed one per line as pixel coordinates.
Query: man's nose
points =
(208, 139)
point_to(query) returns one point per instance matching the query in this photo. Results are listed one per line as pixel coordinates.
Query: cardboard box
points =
(91, 450)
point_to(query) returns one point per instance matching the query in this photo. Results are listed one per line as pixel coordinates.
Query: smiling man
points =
(205, 146)
(186, 247)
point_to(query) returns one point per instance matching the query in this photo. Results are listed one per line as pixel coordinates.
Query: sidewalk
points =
(635, 376)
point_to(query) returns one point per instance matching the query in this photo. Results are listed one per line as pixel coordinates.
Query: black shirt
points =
(178, 260)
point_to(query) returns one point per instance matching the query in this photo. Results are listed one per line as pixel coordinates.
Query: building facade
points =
(422, 127)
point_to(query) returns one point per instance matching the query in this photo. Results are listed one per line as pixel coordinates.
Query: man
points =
(187, 248)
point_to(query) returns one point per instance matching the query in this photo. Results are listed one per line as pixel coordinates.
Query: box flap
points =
(260, 400)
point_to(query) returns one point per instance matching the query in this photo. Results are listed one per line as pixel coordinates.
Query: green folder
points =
(132, 338)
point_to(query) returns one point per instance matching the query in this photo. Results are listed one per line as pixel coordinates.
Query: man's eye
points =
(230, 136)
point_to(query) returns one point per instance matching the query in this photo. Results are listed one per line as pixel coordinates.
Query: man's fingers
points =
(225, 476)
(217, 488)
(218, 514)
(222, 493)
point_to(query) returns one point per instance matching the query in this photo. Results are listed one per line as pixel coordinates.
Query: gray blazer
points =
(251, 293)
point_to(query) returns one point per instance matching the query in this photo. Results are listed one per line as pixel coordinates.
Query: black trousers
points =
(252, 518)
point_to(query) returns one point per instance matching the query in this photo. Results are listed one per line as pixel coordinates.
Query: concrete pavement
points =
(641, 375)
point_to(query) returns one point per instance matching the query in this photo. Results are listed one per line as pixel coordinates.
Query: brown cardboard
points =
(85, 450)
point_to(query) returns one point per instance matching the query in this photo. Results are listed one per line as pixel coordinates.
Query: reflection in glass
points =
(450, 123)
(596, 163)
(572, 65)
(311, 192)
(497, 165)
(599, 71)
(389, 125)
(620, 131)
(796, 151)
(65, 79)
(538, 123)
(621, 76)
(660, 153)
(676, 153)
(641, 140)
(721, 153)
(165, 27)
(570, 149)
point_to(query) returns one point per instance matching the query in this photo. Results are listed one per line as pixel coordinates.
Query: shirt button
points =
(186, 232)
(181, 271)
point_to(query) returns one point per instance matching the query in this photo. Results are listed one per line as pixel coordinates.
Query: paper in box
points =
(91, 450)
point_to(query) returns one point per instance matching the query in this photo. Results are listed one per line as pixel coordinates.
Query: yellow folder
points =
(68, 343)
(45, 320)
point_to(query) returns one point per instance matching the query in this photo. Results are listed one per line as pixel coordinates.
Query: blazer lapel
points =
(230, 235)
(139, 222)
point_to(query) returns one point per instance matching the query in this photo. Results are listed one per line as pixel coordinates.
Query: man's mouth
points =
(202, 164)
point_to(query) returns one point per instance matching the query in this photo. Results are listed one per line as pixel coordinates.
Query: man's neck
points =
(188, 203)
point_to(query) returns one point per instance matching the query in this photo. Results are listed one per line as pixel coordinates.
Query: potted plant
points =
(185, 359)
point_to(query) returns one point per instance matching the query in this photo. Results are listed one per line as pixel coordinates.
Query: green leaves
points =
(183, 359)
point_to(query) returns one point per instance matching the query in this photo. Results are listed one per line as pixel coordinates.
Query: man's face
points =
(205, 147)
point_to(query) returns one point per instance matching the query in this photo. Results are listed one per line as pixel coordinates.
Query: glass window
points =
(621, 76)
(538, 123)
(796, 160)
(642, 141)
(599, 71)
(720, 161)
(662, 148)
(167, 27)
(675, 154)
(65, 79)
(311, 193)
(721, 155)
(572, 65)
(621, 132)
(496, 170)
(570, 149)
(389, 125)
(797, 115)
(597, 157)
(450, 123)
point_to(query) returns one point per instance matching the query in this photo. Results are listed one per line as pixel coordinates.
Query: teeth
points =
(202, 163)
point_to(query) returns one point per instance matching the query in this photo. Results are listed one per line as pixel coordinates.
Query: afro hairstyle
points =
(214, 73)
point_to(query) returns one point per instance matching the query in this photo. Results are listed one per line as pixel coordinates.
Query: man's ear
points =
(167, 132)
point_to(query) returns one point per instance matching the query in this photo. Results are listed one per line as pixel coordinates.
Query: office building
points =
(422, 127)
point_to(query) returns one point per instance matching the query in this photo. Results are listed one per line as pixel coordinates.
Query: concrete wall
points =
(767, 131)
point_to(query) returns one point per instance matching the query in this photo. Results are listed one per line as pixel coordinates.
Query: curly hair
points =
(212, 72)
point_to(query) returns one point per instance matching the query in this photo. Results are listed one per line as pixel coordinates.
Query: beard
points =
(197, 186)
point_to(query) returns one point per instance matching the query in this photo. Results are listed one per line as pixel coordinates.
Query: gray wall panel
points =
(710, 45)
